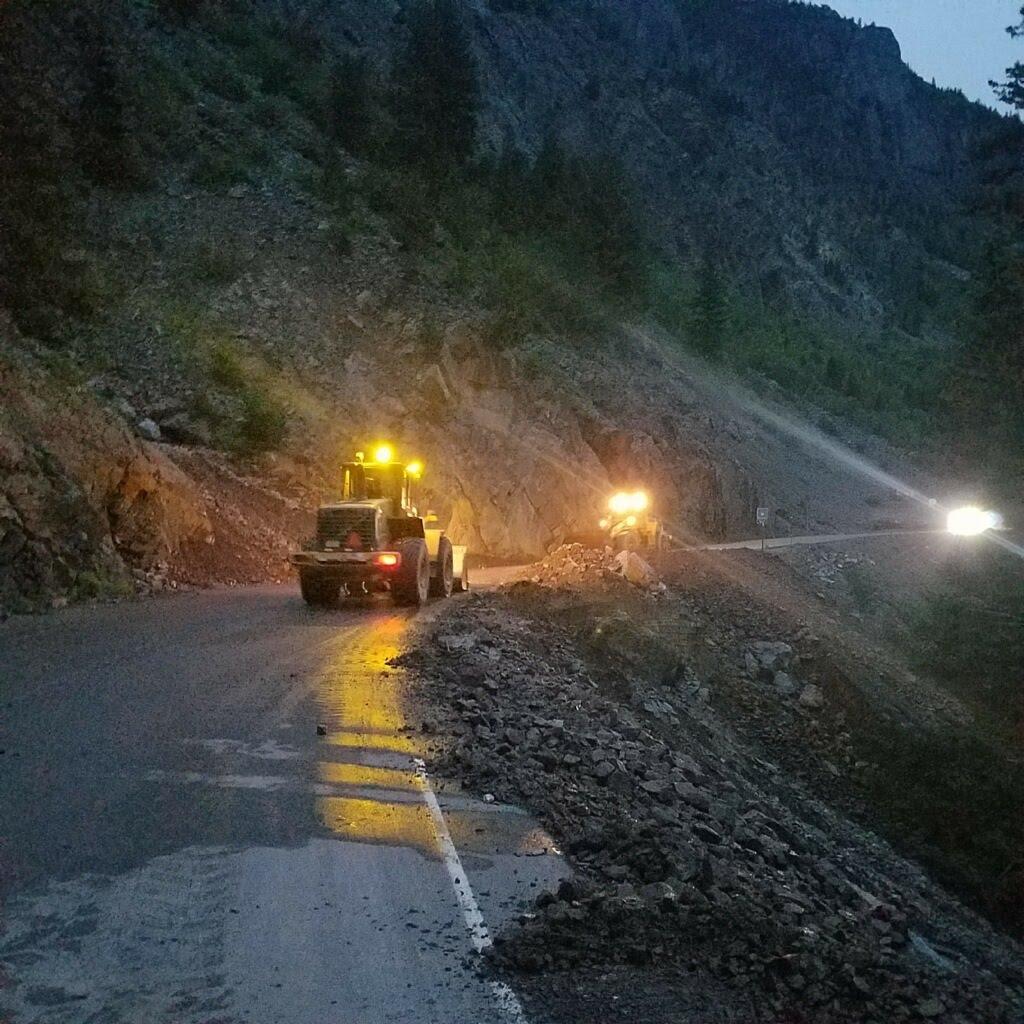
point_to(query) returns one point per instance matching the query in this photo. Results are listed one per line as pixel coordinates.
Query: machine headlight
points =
(621, 503)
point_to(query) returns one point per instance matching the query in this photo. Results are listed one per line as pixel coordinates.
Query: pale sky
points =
(960, 43)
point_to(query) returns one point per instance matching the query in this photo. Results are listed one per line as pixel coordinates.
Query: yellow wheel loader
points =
(374, 539)
(629, 524)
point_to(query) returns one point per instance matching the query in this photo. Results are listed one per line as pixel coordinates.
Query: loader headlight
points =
(631, 520)
(625, 501)
(603, 524)
(383, 453)
(415, 469)
(621, 503)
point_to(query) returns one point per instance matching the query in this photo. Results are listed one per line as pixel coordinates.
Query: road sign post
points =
(762, 522)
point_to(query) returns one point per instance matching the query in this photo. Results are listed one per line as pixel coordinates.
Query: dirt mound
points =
(575, 567)
(693, 851)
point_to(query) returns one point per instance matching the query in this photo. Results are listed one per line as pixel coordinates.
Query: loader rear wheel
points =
(411, 585)
(441, 585)
(317, 592)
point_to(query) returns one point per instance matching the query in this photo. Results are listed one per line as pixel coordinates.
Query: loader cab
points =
(386, 483)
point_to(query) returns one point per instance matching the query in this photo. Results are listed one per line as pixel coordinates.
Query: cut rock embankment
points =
(89, 509)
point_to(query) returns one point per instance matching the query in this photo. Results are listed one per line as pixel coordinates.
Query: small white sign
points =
(762, 517)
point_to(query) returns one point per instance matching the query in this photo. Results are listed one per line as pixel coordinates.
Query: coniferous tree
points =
(39, 213)
(709, 316)
(435, 92)
(1012, 90)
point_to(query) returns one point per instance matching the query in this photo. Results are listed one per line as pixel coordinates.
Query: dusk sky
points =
(959, 43)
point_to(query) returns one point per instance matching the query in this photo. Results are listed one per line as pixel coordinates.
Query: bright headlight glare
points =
(621, 503)
(970, 521)
(626, 501)
(383, 454)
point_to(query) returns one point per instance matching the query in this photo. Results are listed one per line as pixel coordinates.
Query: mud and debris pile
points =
(692, 852)
(575, 567)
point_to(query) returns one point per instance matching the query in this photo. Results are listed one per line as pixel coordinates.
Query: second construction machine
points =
(629, 524)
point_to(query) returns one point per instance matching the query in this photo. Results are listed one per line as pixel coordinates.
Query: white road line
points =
(507, 1000)
(807, 540)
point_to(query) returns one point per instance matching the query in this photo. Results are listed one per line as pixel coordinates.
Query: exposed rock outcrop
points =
(79, 494)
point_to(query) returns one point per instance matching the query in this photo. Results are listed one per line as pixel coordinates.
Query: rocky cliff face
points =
(79, 495)
(90, 509)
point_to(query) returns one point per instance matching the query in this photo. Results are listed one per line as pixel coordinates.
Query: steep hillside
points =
(793, 144)
(214, 224)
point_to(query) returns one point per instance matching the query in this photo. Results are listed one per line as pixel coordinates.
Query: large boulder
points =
(635, 569)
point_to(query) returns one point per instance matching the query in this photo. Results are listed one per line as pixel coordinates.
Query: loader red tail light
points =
(387, 560)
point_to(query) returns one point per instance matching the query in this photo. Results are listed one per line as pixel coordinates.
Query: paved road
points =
(824, 538)
(178, 844)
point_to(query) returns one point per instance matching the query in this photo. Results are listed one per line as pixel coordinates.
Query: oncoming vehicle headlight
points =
(971, 521)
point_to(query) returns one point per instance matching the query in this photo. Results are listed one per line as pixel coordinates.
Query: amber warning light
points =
(387, 560)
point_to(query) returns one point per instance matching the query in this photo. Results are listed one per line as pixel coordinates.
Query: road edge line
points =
(507, 1000)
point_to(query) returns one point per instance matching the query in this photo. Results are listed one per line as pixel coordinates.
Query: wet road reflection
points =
(372, 752)
(205, 855)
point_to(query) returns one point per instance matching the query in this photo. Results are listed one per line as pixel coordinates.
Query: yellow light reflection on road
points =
(360, 695)
(384, 822)
(371, 750)
(360, 698)
(366, 776)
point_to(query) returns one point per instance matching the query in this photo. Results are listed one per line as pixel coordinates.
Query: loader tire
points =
(442, 584)
(411, 585)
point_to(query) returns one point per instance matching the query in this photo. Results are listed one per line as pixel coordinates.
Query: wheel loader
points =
(375, 540)
(629, 524)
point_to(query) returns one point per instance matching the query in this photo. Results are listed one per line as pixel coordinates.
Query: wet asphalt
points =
(210, 812)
